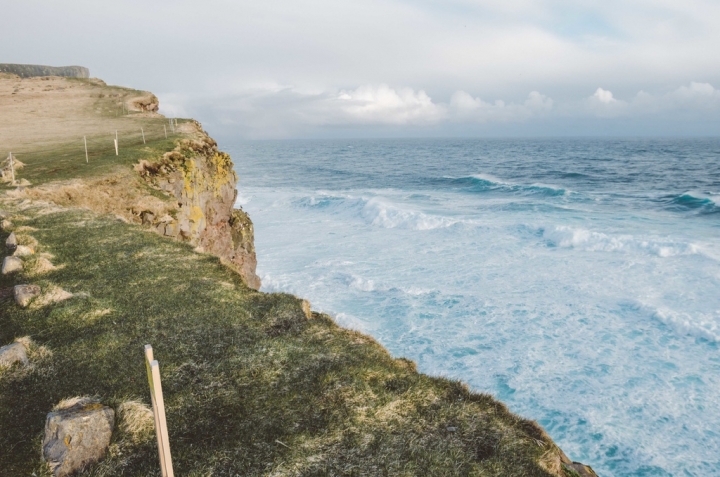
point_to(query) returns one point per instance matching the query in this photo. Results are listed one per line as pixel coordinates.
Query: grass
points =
(67, 161)
(252, 386)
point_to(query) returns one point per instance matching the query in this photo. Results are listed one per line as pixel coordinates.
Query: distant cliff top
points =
(28, 71)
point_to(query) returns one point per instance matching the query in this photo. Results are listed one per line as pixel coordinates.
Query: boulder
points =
(11, 265)
(25, 293)
(11, 243)
(13, 353)
(23, 251)
(77, 436)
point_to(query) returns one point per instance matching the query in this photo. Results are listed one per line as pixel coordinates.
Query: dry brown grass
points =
(51, 294)
(120, 194)
(136, 420)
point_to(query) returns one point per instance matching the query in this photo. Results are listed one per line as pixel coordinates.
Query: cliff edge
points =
(202, 180)
(29, 71)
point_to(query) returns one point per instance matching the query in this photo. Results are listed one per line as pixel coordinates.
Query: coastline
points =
(147, 247)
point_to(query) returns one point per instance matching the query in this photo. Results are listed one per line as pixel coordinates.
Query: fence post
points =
(165, 129)
(143, 134)
(86, 154)
(12, 169)
(116, 144)
(156, 395)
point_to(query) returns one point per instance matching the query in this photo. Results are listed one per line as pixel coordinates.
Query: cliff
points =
(113, 249)
(202, 180)
(28, 71)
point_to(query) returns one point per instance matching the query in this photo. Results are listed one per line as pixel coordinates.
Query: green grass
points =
(252, 387)
(67, 161)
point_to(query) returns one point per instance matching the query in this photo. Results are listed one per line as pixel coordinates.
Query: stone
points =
(148, 218)
(11, 243)
(11, 265)
(13, 353)
(23, 251)
(172, 229)
(77, 436)
(25, 293)
(581, 469)
(5, 224)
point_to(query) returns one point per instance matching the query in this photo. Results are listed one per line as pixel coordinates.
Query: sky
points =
(395, 68)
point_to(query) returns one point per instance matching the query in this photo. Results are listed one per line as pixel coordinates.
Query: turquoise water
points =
(576, 280)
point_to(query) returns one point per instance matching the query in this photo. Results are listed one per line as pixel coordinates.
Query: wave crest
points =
(486, 183)
(569, 237)
(698, 201)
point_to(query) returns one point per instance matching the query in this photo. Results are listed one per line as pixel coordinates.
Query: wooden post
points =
(165, 129)
(117, 153)
(172, 126)
(156, 395)
(86, 154)
(143, 134)
(12, 169)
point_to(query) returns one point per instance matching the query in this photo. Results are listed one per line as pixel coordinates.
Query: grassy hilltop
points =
(255, 383)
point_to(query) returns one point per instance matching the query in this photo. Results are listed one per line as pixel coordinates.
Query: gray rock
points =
(25, 293)
(11, 265)
(172, 229)
(22, 251)
(11, 243)
(77, 436)
(13, 353)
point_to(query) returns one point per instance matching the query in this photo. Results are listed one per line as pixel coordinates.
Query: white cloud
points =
(466, 108)
(694, 100)
(604, 96)
(385, 105)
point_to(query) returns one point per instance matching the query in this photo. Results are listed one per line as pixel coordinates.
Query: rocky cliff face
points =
(28, 71)
(202, 180)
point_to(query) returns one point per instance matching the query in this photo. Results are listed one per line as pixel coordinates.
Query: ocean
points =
(577, 280)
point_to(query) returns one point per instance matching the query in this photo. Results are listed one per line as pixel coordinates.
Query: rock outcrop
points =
(77, 435)
(29, 71)
(202, 181)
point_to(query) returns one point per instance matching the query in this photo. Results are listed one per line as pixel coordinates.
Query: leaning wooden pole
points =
(158, 404)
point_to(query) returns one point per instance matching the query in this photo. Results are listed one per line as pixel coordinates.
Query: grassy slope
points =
(252, 386)
(241, 370)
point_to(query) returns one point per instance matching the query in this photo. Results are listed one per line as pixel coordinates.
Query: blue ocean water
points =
(577, 280)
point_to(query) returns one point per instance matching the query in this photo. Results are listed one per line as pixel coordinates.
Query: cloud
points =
(693, 100)
(604, 96)
(464, 107)
(385, 105)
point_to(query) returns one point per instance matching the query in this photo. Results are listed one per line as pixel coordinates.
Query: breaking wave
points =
(487, 183)
(377, 211)
(697, 201)
(569, 237)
